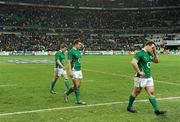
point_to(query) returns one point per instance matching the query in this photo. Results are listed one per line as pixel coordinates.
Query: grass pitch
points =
(107, 83)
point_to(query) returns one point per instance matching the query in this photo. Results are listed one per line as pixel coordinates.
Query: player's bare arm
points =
(60, 64)
(156, 57)
(134, 63)
(69, 70)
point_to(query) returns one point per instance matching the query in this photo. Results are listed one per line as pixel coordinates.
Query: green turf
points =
(25, 87)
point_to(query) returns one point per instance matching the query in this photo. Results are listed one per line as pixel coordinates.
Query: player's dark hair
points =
(76, 41)
(149, 43)
(63, 45)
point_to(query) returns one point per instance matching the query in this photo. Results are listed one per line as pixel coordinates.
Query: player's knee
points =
(135, 95)
(77, 85)
(137, 92)
(151, 93)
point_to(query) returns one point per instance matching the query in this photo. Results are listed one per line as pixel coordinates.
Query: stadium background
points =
(103, 25)
(111, 27)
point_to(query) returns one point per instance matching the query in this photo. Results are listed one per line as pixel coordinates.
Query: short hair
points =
(149, 43)
(63, 45)
(76, 41)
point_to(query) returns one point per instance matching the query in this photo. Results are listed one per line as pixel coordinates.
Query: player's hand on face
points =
(154, 49)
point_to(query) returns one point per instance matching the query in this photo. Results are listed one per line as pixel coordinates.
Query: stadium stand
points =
(103, 3)
(34, 27)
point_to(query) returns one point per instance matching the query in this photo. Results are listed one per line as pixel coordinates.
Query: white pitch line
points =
(81, 106)
(107, 73)
(164, 82)
(170, 83)
(7, 85)
(87, 81)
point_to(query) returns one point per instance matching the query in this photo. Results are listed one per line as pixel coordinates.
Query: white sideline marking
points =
(126, 76)
(170, 83)
(81, 106)
(108, 73)
(87, 81)
(7, 85)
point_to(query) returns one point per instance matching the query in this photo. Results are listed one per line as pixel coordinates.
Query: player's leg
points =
(70, 89)
(77, 81)
(150, 91)
(77, 77)
(135, 92)
(55, 78)
(75, 88)
(66, 80)
(67, 93)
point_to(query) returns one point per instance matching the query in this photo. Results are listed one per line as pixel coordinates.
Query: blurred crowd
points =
(103, 3)
(91, 42)
(11, 15)
(44, 28)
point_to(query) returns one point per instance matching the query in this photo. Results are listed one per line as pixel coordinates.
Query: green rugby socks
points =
(70, 91)
(67, 83)
(154, 103)
(131, 101)
(77, 94)
(53, 84)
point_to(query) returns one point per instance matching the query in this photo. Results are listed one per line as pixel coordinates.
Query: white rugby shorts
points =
(60, 72)
(143, 82)
(77, 74)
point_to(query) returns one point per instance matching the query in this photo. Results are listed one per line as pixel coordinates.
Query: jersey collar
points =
(74, 48)
(144, 49)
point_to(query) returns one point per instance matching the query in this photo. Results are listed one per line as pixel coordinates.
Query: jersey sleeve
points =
(138, 55)
(57, 56)
(152, 56)
(70, 55)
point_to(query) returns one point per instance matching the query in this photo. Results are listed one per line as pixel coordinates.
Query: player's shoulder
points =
(58, 52)
(140, 51)
(71, 50)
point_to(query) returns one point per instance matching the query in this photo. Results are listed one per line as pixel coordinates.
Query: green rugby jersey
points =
(75, 56)
(144, 62)
(61, 57)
